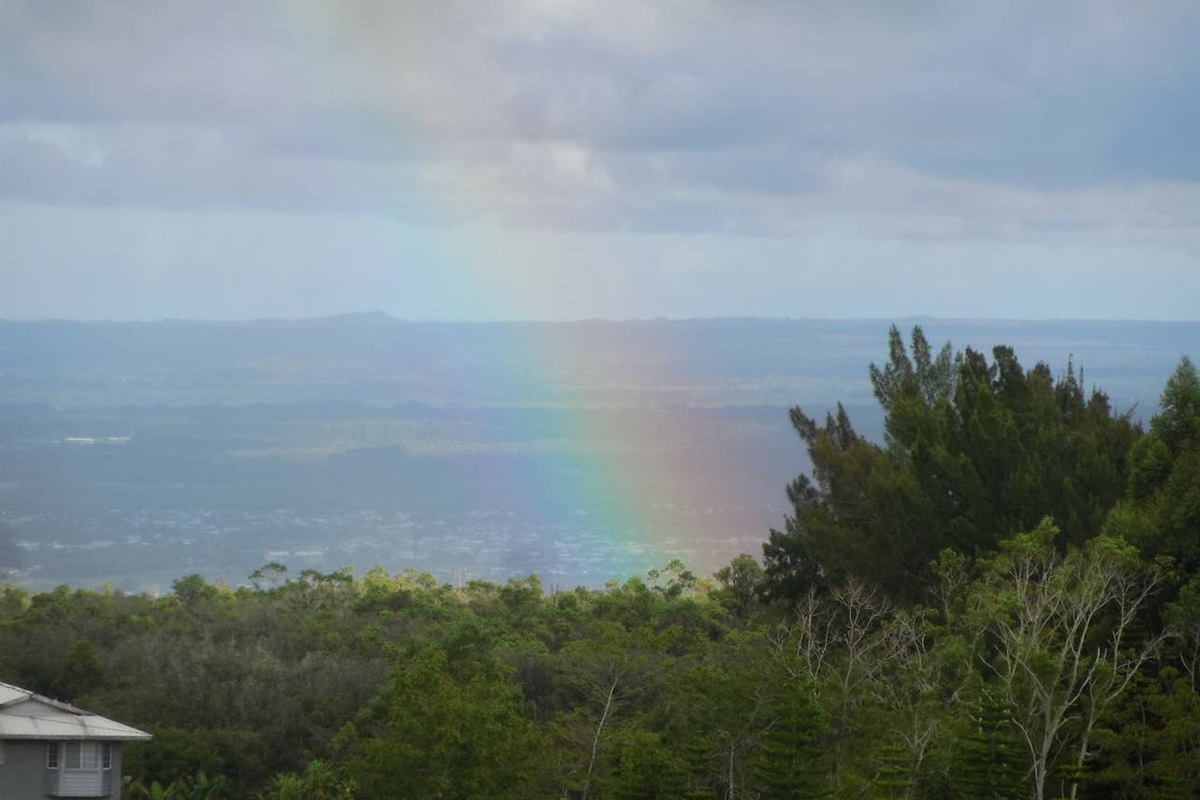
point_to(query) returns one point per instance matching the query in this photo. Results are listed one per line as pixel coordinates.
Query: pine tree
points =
(789, 765)
(697, 759)
(990, 762)
(975, 450)
(893, 780)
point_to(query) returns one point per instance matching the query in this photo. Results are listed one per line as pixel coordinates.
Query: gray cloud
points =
(1027, 121)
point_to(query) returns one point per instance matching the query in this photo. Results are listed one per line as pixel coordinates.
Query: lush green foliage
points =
(975, 452)
(966, 648)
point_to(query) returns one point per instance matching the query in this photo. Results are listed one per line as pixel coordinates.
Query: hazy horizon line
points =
(381, 315)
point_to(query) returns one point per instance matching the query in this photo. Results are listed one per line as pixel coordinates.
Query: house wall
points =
(112, 780)
(23, 775)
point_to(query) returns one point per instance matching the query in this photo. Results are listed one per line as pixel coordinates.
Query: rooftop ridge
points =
(25, 714)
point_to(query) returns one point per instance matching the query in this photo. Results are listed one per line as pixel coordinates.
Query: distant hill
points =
(374, 358)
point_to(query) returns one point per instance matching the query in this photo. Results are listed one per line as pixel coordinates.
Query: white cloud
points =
(75, 144)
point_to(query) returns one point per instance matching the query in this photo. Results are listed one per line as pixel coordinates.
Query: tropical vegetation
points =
(999, 600)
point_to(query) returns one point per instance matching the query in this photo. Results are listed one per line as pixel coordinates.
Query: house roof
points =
(25, 715)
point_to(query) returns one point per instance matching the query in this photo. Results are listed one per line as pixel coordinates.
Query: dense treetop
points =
(975, 451)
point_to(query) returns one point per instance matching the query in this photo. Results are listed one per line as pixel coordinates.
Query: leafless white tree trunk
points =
(612, 690)
(1044, 611)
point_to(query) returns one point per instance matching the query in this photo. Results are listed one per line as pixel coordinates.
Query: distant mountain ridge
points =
(262, 359)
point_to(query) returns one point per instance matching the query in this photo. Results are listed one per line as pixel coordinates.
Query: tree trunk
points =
(587, 781)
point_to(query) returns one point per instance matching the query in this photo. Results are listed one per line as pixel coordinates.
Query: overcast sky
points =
(565, 159)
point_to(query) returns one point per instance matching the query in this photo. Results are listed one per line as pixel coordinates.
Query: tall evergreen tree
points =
(893, 779)
(975, 450)
(990, 761)
(789, 764)
(1161, 511)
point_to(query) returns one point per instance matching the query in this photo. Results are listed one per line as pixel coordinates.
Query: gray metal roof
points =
(25, 715)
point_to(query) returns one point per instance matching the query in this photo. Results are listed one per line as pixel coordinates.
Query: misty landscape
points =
(599, 400)
(132, 453)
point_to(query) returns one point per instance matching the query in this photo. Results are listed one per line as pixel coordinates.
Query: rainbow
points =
(613, 498)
